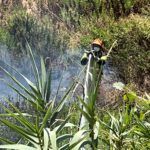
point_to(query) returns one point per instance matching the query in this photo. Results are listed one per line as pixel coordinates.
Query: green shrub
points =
(22, 27)
(132, 53)
(3, 35)
(42, 34)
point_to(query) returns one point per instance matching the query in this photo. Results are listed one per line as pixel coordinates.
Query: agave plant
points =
(38, 94)
(36, 136)
(44, 132)
(39, 91)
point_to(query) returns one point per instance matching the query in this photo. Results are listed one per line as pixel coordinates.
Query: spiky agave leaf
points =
(17, 147)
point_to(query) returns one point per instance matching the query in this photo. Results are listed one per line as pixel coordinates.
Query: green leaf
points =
(19, 117)
(148, 96)
(125, 98)
(62, 102)
(43, 72)
(6, 141)
(96, 129)
(78, 139)
(34, 93)
(16, 114)
(43, 77)
(60, 105)
(46, 140)
(35, 69)
(62, 124)
(24, 133)
(34, 141)
(34, 104)
(78, 136)
(131, 96)
(64, 137)
(17, 147)
(46, 117)
(53, 140)
(16, 90)
(85, 114)
(86, 106)
(64, 147)
(19, 84)
(70, 125)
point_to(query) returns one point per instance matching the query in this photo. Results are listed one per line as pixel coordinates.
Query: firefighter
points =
(97, 51)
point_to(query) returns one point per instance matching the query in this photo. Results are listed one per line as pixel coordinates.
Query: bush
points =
(132, 53)
(41, 33)
(3, 35)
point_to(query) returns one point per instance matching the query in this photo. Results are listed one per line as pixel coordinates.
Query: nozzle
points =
(84, 59)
